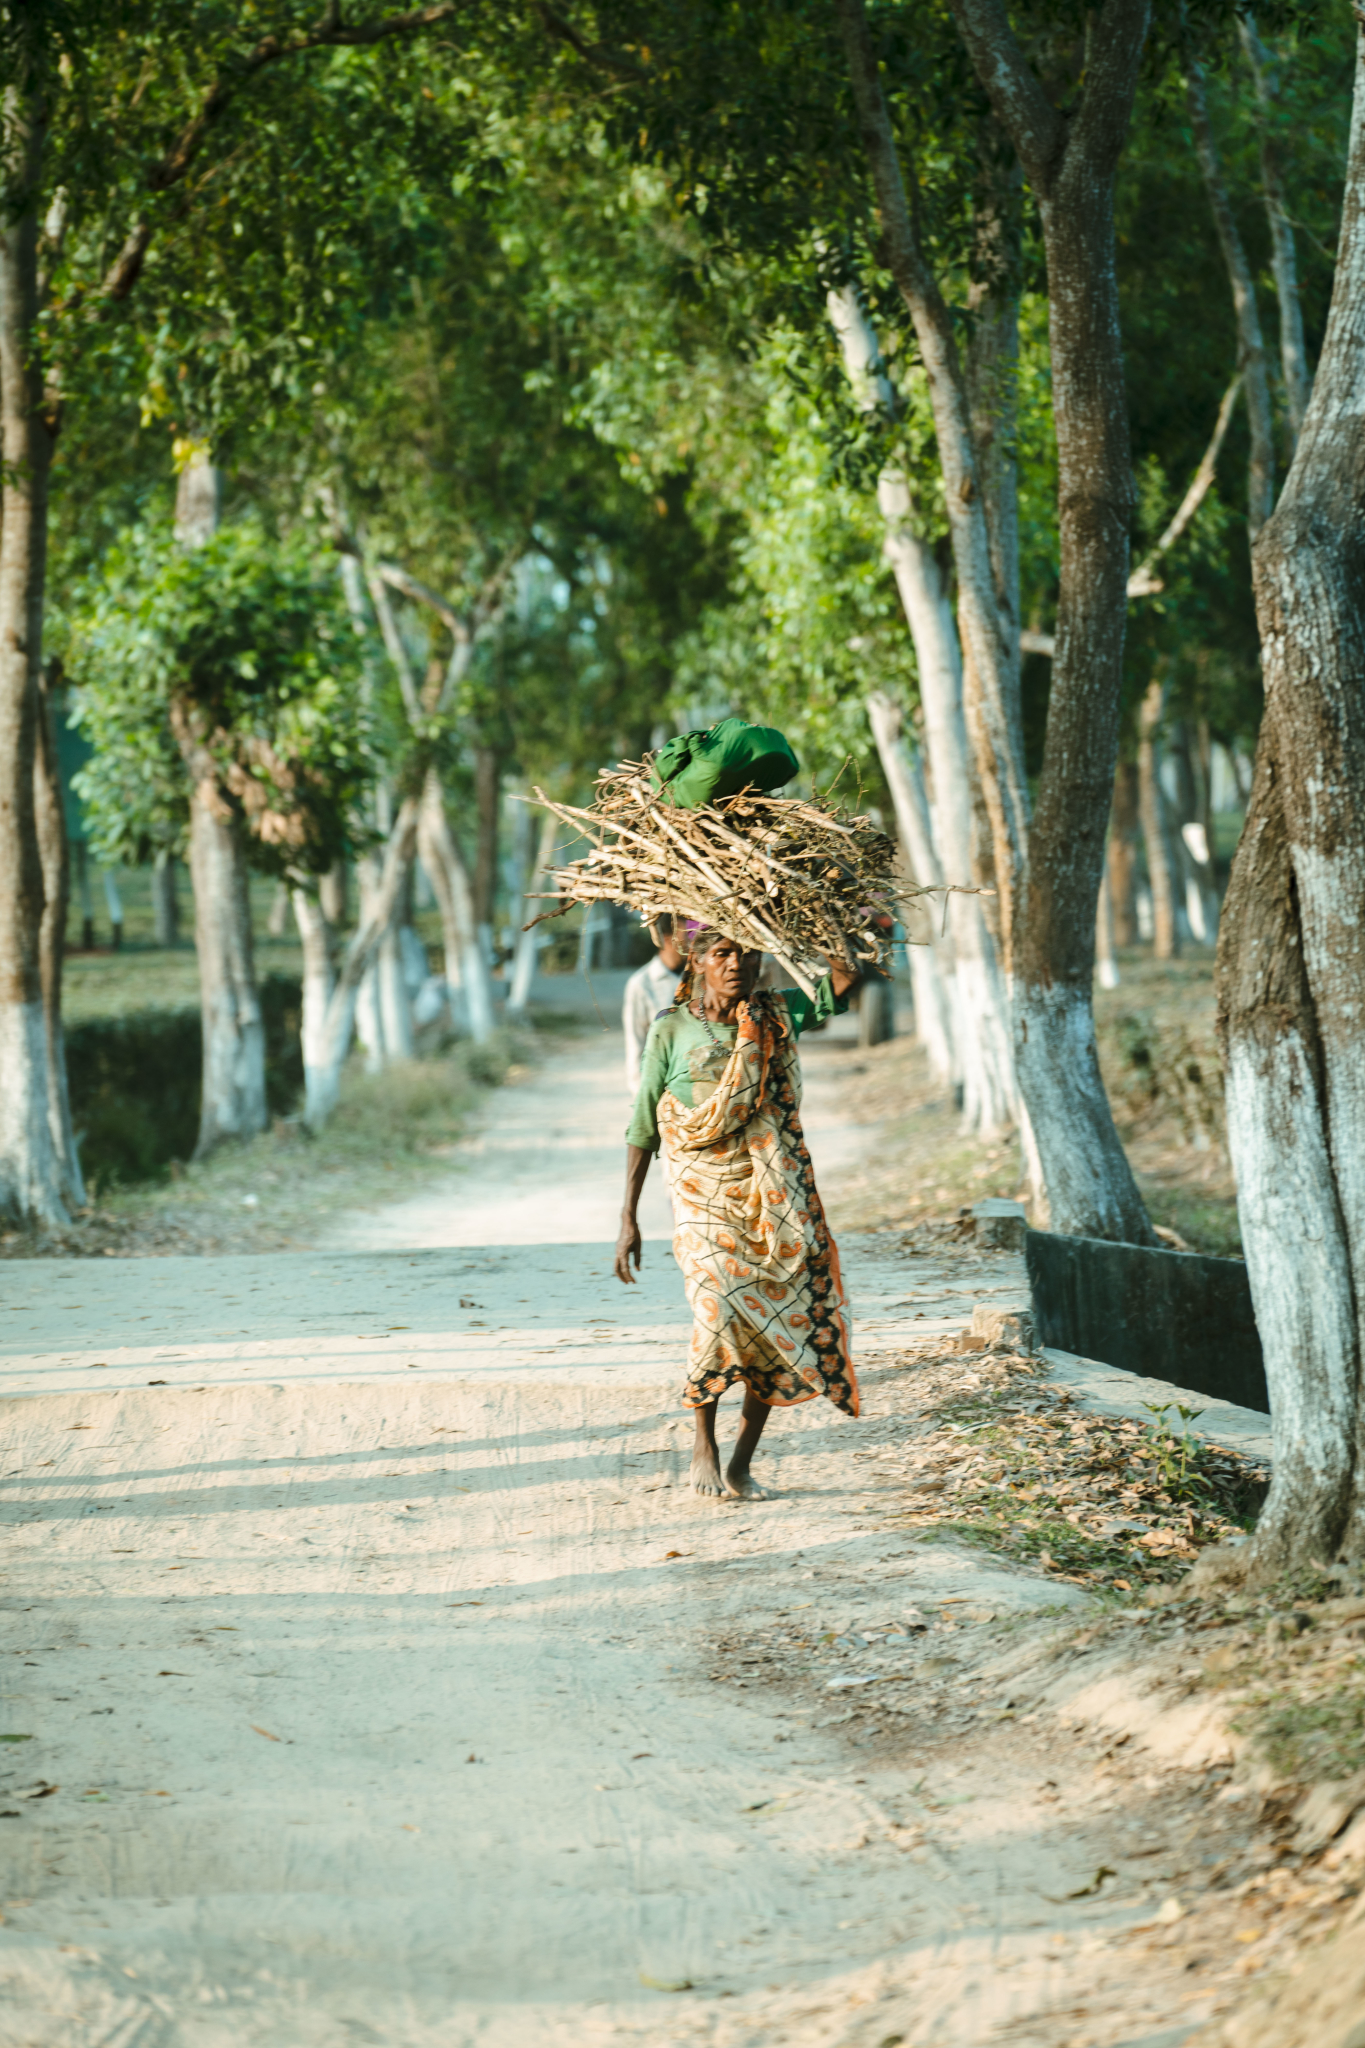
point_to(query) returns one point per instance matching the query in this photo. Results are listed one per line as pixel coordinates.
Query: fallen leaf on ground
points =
(173, 1674)
(665, 1983)
(16, 1738)
(1087, 1891)
(39, 1791)
(675, 1553)
(263, 1731)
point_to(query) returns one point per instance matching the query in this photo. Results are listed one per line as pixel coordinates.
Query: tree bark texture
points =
(1071, 160)
(1122, 857)
(1298, 378)
(932, 967)
(1250, 340)
(31, 1175)
(1291, 1005)
(1161, 867)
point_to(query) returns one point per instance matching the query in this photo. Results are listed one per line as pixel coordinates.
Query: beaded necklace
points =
(698, 1008)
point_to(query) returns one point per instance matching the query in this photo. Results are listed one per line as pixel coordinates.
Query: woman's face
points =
(728, 972)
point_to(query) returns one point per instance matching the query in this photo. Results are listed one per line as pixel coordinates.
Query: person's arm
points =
(831, 998)
(628, 1244)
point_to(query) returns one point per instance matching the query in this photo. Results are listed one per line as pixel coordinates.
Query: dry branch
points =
(796, 877)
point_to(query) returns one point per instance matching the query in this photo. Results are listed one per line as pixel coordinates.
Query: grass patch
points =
(1100, 1501)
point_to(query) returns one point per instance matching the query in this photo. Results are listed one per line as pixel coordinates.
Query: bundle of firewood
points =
(797, 877)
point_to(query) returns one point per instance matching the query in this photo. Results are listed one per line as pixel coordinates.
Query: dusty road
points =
(463, 1720)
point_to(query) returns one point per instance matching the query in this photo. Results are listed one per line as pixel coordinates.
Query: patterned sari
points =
(760, 1267)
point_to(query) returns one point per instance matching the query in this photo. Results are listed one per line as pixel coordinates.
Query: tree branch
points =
(1034, 126)
(1142, 583)
(329, 32)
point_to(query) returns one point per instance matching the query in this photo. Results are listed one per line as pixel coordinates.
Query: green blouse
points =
(688, 1057)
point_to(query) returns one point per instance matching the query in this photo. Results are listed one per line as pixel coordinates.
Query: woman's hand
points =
(842, 978)
(628, 1247)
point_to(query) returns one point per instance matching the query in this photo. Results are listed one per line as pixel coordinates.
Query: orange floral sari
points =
(758, 1262)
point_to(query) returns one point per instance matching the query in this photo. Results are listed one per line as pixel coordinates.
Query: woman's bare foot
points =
(743, 1486)
(706, 1471)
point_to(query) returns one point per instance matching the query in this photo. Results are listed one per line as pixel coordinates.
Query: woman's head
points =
(722, 966)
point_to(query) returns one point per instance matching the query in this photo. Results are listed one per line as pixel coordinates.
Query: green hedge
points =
(134, 1082)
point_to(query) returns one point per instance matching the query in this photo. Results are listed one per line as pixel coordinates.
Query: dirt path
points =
(464, 1721)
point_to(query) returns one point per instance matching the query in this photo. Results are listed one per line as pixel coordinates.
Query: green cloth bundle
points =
(700, 768)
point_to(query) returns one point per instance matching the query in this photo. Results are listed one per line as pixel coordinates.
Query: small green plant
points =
(1179, 1456)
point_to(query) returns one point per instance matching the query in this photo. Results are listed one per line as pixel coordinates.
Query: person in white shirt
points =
(649, 990)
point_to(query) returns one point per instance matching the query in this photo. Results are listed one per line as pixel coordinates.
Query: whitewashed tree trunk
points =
(395, 1002)
(316, 939)
(31, 1172)
(527, 947)
(165, 901)
(378, 904)
(50, 824)
(445, 864)
(1152, 810)
(981, 1027)
(982, 1035)
(232, 1101)
(931, 965)
(1291, 967)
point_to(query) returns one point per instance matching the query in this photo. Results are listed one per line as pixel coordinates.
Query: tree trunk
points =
(1201, 897)
(31, 1176)
(394, 1001)
(316, 938)
(50, 823)
(377, 910)
(1290, 964)
(981, 1034)
(1152, 804)
(333, 894)
(488, 796)
(1123, 831)
(524, 959)
(165, 902)
(1294, 1233)
(444, 863)
(1106, 967)
(1298, 378)
(981, 1031)
(931, 964)
(1250, 341)
(232, 1104)
(994, 654)
(1048, 912)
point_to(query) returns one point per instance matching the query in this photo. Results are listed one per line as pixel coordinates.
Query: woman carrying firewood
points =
(720, 1092)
